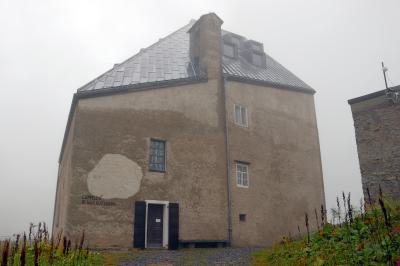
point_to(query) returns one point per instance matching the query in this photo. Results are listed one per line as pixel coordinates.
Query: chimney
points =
(205, 45)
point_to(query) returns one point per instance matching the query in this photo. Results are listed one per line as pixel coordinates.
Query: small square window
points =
(241, 115)
(242, 217)
(242, 174)
(157, 155)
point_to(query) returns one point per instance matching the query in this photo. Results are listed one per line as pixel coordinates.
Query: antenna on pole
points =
(391, 94)
(384, 69)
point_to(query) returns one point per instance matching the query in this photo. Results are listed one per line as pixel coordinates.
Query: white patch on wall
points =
(115, 176)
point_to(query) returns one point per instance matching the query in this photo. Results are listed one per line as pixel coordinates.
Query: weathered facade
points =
(376, 122)
(200, 138)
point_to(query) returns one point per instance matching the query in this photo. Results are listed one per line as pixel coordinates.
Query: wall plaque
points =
(94, 200)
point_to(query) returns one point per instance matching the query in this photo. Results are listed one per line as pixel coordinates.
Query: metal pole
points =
(384, 75)
(228, 163)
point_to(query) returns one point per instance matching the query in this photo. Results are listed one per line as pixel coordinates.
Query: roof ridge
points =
(169, 59)
(137, 54)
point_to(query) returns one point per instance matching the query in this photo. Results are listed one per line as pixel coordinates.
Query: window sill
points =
(157, 171)
(241, 186)
(242, 126)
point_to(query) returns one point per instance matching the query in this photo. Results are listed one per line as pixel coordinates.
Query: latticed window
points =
(157, 155)
(242, 174)
(241, 115)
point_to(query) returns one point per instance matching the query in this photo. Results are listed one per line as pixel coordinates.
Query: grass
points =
(367, 237)
(36, 248)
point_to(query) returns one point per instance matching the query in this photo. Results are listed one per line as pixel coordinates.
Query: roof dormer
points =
(235, 46)
(253, 52)
(230, 50)
(231, 45)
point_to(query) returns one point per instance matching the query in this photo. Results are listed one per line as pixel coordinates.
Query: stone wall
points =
(377, 128)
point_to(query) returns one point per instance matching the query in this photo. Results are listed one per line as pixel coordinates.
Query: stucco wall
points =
(377, 129)
(281, 146)
(111, 140)
(63, 185)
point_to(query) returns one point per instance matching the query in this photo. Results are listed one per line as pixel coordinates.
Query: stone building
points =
(199, 139)
(377, 127)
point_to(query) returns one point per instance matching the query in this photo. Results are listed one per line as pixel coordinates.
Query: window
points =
(241, 115)
(236, 41)
(257, 59)
(157, 155)
(242, 217)
(242, 174)
(257, 47)
(229, 50)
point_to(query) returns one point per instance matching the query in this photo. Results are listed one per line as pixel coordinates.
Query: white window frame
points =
(164, 156)
(241, 108)
(241, 173)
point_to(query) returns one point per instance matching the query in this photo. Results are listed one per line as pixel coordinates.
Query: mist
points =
(48, 49)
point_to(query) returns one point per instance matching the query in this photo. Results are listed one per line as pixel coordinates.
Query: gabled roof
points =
(169, 60)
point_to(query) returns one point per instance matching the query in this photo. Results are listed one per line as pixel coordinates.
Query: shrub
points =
(370, 236)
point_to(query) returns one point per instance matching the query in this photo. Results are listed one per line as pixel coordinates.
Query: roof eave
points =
(366, 97)
(268, 83)
(372, 95)
(141, 86)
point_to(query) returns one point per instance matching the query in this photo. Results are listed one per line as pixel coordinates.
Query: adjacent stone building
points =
(377, 127)
(199, 139)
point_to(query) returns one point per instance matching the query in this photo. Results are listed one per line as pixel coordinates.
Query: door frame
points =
(165, 220)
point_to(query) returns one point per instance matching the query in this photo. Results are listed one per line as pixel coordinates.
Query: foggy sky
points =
(50, 48)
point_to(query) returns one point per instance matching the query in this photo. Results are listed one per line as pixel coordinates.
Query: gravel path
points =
(198, 256)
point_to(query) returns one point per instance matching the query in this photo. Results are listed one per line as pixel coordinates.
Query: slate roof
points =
(169, 60)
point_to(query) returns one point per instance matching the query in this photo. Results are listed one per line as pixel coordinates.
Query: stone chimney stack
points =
(205, 45)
